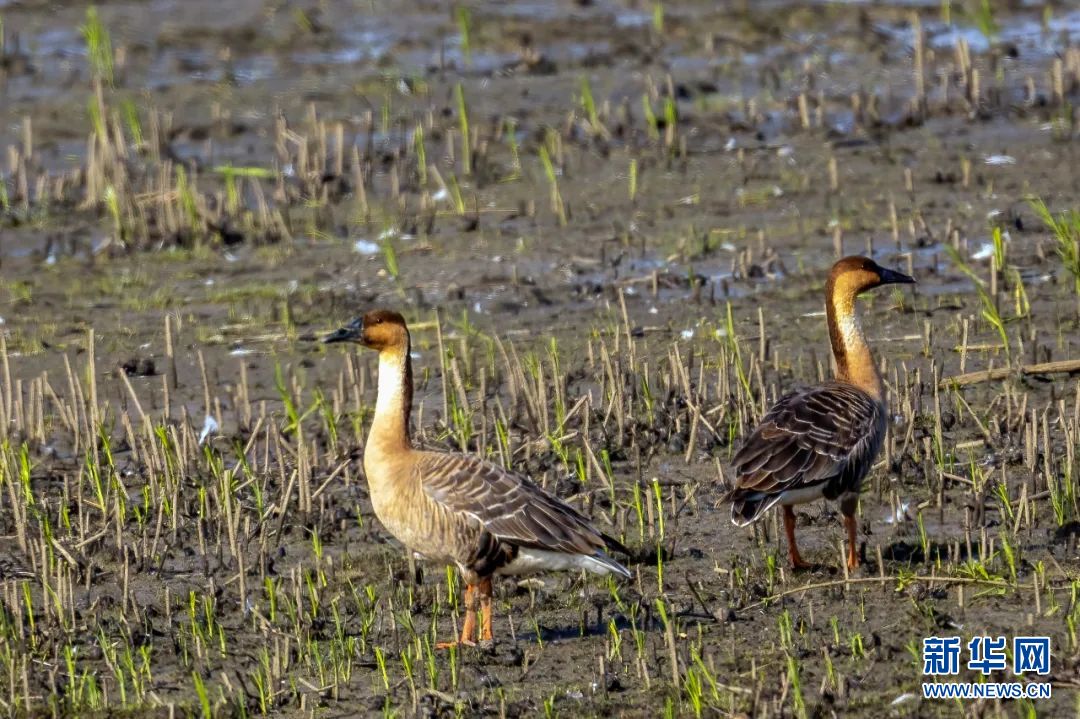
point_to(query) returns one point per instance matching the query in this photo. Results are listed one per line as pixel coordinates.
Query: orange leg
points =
(793, 550)
(852, 553)
(486, 634)
(468, 627)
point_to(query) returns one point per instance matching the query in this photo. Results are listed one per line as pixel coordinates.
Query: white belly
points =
(530, 561)
(802, 495)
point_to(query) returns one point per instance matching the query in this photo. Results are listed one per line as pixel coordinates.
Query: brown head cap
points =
(854, 275)
(379, 330)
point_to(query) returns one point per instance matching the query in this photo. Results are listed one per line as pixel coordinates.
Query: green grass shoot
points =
(98, 46)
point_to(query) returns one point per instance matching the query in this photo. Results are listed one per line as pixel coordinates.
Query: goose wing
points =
(809, 439)
(509, 506)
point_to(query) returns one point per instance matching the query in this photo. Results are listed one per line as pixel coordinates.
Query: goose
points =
(820, 442)
(455, 508)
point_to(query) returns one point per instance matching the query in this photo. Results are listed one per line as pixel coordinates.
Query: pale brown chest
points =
(413, 518)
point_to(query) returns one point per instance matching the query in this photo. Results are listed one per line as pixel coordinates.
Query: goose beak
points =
(352, 332)
(892, 277)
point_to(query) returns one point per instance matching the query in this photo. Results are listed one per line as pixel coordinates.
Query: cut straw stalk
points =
(1068, 366)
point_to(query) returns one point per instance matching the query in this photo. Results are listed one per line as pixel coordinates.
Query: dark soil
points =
(608, 223)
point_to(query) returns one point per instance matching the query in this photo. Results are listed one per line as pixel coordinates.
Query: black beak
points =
(892, 277)
(352, 332)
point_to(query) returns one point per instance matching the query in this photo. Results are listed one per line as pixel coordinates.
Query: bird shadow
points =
(555, 634)
(914, 553)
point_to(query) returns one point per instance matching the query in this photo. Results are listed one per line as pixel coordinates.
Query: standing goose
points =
(821, 441)
(458, 509)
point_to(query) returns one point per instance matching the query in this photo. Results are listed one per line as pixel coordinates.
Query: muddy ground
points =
(609, 224)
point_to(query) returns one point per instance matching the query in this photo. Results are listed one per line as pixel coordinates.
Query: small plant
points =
(230, 174)
(131, 119)
(858, 651)
(204, 696)
(1009, 554)
(549, 707)
(671, 120)
(795, 682)
(112, 204)
(463, 123)
(98, 46)
(421, 154)
(639, 510)
(999, 248)
(185, 193)
(97, 119)
(390, 259)
(380, 659)
(455, 195)
(651, 123)
(553, 183)
(924, 538)
(1066, 230)
(983, 17)
(588, 105)
(993, 317)
(787, 633)
(464, 22)
(1063, 495)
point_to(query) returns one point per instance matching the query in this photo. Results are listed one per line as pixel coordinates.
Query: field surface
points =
(608, 223)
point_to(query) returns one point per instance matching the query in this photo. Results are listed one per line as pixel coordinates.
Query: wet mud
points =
(608, 224)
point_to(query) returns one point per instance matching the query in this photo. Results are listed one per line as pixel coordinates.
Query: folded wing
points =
(823, 437)
(512, 508)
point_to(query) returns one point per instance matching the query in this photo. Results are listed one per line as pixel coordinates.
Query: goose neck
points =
(854, 360)
(393, 405)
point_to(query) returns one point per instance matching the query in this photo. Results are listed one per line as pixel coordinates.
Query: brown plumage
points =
(459, 509)
(820, 441)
